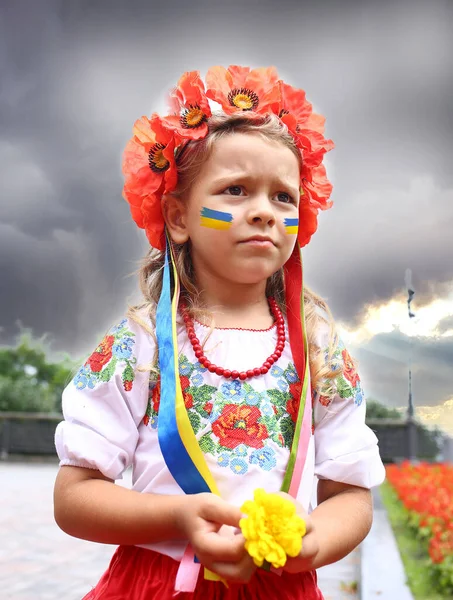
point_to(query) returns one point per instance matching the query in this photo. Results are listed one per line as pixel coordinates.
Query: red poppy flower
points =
(127, 385)
(308, 223)
(349, 369)
(189, 107)
(239, 89)
(145, 420)
(305, 126)
(317, 188)
(313, 146)
(238, 425)
(292, 107)
(102, 355)
(149, 170)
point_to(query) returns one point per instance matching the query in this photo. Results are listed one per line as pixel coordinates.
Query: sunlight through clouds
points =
(393, 315)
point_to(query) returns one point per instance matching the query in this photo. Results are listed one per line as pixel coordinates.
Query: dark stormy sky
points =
(74, 75)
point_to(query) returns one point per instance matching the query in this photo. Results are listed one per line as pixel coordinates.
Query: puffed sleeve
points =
(106, 401)
(346, 449)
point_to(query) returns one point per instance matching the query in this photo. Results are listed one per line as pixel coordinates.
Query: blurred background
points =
(75, 75)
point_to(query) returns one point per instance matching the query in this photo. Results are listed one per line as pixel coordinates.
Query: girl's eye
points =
(234, 190)
(286, 198)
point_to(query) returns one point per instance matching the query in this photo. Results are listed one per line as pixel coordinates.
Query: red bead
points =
(243, 375)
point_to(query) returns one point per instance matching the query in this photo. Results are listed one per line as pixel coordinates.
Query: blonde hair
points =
(189, 162)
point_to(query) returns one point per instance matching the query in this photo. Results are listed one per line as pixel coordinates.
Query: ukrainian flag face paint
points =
(291, 226)
(215, 219)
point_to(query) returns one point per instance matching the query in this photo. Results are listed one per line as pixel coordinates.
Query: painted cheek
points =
(215, 219)
(291, 226)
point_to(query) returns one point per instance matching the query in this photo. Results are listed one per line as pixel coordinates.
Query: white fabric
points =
(104, 425)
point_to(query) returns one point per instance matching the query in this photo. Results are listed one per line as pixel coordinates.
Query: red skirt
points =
(139, 574)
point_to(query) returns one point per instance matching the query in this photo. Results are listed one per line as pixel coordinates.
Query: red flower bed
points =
(426, 491)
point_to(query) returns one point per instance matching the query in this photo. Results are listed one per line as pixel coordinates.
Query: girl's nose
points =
(261, 211)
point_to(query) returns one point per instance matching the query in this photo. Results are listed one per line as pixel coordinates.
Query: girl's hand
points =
(222, 551)
(310, 546)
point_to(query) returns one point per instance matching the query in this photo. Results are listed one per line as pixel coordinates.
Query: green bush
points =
(29, 381)
(19, 395)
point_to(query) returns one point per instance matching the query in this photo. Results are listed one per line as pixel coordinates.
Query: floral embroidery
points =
(265, 458)
(115, 349)
(347, 383)
(238, 425)
(238, 466)
(349, 369)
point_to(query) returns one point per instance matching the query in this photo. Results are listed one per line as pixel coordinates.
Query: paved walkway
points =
(40, 562)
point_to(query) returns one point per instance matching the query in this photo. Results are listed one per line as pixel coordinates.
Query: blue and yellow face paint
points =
(216, 219)
(291, 226)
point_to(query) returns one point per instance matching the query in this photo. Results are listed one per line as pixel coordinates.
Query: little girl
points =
(229, 377)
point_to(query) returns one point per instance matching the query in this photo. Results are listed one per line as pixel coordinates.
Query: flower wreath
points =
(149, 161)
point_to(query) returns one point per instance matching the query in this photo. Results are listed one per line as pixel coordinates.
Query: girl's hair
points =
(189, 162)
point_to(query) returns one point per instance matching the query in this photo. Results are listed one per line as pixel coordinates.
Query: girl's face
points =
(237, 211)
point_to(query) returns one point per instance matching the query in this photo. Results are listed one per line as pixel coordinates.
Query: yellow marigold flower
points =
(272, 529)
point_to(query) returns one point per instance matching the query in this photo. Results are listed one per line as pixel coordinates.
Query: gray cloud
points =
(384, 366)
(445, 325)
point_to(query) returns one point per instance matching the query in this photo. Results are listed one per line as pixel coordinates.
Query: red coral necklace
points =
(270, 360)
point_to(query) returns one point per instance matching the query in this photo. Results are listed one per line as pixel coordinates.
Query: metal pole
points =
(411, 424)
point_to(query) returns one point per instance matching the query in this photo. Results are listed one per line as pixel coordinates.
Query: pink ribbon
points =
(187, 576)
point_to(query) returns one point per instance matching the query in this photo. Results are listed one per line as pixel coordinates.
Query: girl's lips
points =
(260, 243)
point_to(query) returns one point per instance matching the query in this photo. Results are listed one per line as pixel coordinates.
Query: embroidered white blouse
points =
(245, 428)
